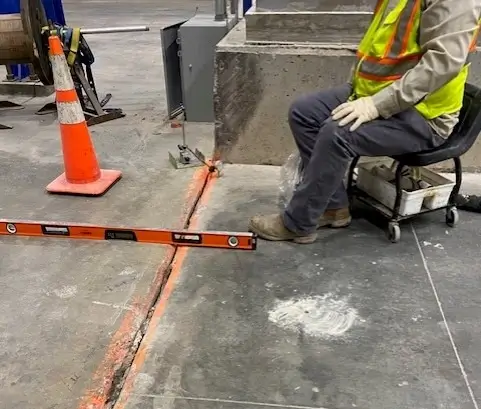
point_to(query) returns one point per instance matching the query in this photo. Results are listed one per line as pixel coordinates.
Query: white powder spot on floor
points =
(127, 271)
(404, 384)
(319, 316)
(426, 243)
(439, 246)
(373, 262)
(67, 291)
(144, 382)
(315, 390)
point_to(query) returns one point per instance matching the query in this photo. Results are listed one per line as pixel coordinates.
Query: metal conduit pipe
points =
(22, 42)
(220, 10)
(107, 30)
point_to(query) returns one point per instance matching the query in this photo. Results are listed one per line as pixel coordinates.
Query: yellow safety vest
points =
(390, 48)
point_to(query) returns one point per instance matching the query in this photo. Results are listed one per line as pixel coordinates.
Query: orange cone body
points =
(82, 175)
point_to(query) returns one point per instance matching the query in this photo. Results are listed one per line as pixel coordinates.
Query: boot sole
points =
(298, 239)
(338, 224)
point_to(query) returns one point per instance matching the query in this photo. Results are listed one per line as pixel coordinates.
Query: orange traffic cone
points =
(82, 175)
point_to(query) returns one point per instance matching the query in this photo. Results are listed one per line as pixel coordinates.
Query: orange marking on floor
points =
(120, 344)
(141, 355)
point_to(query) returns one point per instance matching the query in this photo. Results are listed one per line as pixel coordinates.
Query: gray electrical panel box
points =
(189, 52)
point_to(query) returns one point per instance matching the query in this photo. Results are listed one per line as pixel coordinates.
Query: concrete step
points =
(315, 5)
(306, 26)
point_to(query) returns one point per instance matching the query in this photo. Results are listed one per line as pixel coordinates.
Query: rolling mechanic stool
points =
(462, 138)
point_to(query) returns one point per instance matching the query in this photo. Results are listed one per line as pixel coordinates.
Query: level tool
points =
(218, 239)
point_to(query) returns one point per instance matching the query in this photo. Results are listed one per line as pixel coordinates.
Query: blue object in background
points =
(10, 6)
(247, 5)
(54, 12)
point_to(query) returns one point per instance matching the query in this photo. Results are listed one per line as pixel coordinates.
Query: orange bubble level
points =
(214, 239)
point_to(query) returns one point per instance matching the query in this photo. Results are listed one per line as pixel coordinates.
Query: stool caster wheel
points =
(394, 232)
(452, 216)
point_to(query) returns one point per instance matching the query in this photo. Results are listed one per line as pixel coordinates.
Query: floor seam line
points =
(116, 393)
(443, 315)
(233, 401)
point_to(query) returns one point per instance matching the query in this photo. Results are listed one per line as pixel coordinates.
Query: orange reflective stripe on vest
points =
(393, 64)
(373, 70)
(399, 40)
(378, 6)
(474, 43)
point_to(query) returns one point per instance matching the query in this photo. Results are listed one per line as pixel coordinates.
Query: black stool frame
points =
(462, 138)
(394, 231)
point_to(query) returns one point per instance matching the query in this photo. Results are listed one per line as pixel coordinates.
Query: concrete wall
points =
(254, 86)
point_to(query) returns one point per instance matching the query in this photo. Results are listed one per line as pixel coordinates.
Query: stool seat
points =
(462, 138)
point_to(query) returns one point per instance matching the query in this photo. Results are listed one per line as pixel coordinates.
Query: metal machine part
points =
(189, 53)
(6, 106)
(80, 58)
(108, 30)
(220, 10)
(186, 158)
(22, 40)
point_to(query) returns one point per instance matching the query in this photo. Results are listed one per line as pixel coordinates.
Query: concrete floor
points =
(351, 321)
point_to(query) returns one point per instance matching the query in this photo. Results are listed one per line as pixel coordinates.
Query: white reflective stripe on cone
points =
(61, 73)
(70, 113)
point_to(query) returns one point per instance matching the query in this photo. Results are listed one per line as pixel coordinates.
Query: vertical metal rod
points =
(10, 76)
(184, 142)
(220, 10)
(240, 9)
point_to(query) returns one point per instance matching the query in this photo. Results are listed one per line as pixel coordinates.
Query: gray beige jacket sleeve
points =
(446, 31)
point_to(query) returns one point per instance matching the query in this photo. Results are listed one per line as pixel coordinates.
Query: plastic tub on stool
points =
(412, 202)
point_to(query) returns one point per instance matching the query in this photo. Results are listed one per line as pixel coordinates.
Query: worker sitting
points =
(404, 96)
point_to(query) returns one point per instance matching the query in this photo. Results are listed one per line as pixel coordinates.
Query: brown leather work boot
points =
(335, 218)
(272, 228)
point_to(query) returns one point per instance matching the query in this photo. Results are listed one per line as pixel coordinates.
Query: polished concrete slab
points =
(451, 259)
(351, 321)
(69, 309)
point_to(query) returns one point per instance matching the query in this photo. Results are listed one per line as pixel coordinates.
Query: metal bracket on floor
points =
(186, 157)
(93, 109)
(220, 240)
(8, 106)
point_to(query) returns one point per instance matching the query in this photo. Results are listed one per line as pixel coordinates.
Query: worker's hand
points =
(360, 111)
